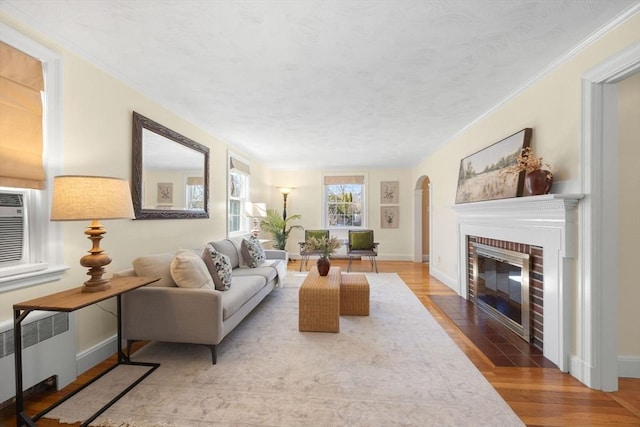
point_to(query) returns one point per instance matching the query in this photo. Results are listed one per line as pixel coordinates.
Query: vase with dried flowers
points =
(538, 180)
(325, 247)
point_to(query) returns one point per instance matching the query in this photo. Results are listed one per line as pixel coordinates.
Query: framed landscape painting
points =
(481, 175)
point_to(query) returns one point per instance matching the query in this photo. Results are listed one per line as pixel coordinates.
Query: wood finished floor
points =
(540, 396)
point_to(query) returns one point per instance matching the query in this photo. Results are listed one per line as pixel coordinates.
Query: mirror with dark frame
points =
(170, 178)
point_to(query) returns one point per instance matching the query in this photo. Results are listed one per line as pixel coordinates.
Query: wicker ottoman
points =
(354, 295)
(319, 302)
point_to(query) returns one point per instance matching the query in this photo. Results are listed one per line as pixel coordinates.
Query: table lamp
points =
(92, 198)
(257, 211)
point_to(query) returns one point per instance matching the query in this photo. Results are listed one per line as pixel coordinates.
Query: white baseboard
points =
(629, 366)
(425, 257)
(580, 370)
(449, 281)
(90, 357)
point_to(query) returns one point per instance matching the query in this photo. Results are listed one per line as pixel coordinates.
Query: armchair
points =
(361, 244)
(306, 253)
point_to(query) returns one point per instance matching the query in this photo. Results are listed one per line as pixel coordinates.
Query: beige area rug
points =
(396, 367)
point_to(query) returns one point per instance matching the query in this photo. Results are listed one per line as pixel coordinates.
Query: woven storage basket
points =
(354, 295)
(319, 302)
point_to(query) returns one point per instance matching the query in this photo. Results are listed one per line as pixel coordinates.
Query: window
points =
(42, 255)
(194, 193)
(344, 201)
(239, 174)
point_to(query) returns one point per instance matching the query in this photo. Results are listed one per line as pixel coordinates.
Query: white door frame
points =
(595, 361)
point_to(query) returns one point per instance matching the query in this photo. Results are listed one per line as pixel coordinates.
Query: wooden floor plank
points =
(540, 396)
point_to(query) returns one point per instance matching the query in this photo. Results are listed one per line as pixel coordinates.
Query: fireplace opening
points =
(501, 286)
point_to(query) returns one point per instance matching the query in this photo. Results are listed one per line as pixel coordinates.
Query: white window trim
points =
(365, 201)
(46, 245)
(246, 224)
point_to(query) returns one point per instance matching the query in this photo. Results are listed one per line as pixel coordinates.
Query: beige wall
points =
(306, 200)
(628, 215)
(97, 123)
(97, 139)
(552, 107)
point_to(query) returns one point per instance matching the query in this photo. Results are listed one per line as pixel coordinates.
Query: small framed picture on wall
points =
(389, 216)
(389, 193)
(165, 192)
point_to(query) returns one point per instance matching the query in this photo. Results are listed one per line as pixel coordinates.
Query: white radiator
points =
(49, 349)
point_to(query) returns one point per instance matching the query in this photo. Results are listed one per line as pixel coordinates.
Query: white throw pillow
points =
(252, 252)
(188, 270)
(219, 267)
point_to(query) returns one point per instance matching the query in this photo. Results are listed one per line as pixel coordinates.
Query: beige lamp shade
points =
(92, 198)
(257, 210)
(77, 197)
(286, 190)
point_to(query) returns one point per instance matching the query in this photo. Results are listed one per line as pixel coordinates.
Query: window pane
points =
(236, 185)
(344, 205)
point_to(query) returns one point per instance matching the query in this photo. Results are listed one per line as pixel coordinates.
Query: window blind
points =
(349, 179)
(21, 84)
(195, 180)
(239, 166)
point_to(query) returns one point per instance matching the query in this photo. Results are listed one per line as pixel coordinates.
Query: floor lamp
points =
(285, 192)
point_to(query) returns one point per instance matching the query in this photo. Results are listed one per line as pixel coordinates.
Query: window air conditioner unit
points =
(11, 228)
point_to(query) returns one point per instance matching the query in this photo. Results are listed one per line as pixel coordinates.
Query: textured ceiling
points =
(332, 84)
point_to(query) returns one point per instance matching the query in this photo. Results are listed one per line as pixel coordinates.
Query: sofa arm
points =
(172, 314)
(276, 254)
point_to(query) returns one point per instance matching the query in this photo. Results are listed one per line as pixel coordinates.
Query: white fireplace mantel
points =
(548, 221)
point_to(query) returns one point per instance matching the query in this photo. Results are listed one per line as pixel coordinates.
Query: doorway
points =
(422, 220)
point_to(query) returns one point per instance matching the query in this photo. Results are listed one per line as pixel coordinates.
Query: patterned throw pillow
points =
(219, 267)
(252, 252)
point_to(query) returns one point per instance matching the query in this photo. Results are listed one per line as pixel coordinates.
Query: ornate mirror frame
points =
(139, 124)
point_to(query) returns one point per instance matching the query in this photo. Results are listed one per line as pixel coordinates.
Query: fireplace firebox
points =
(501, 286)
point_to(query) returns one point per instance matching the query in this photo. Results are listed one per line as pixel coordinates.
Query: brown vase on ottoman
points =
(323, 265)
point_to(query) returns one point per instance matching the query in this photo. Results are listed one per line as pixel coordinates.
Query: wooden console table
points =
(68, 301)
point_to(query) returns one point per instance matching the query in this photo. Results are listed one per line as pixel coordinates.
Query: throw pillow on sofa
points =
(252, 252)
(188, 270)
(219, 267)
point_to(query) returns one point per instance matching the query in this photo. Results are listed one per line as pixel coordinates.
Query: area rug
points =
(396, 367)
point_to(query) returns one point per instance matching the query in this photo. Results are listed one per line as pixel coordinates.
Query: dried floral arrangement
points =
(528, 162)
(326, 247)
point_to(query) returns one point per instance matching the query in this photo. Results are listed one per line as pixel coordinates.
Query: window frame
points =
(244, 220)
(325, 202)
(45, 244)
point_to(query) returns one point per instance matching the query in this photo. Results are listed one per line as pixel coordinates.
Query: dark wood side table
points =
(68, 301)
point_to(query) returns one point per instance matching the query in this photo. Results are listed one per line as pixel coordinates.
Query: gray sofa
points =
(162, 311)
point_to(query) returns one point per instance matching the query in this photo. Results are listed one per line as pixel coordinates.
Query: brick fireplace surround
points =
(548, 224)
(536, 285)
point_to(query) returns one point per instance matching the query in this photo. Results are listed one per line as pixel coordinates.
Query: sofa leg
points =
(214, 357)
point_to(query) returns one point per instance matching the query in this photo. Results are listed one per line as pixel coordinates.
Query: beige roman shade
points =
(239, 166)
(344, 180)
(21, 84)
(195, 180)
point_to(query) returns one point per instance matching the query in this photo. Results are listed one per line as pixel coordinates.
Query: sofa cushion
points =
(226, 247)
(188, 270)
(157, 265)
(242, 290)
(252, 252)
(219, 267)
(265, 270)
